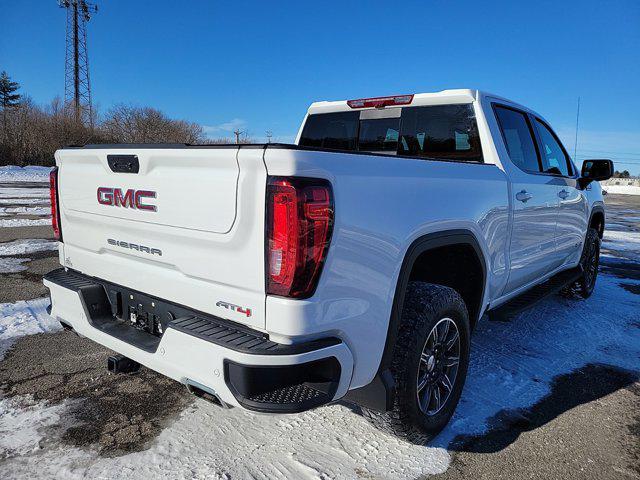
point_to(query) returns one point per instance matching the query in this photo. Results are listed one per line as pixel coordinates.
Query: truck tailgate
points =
(187, 227)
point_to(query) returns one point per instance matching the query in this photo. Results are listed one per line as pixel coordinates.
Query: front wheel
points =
(589, 261)
(429, 365)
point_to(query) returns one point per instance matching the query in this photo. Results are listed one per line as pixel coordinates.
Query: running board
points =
(528, 299)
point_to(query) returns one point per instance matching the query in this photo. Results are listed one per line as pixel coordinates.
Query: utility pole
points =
(77, 88)
(575, 145)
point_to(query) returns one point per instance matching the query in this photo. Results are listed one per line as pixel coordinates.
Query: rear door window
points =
(336, 131)
(440, 131)
(518, 138)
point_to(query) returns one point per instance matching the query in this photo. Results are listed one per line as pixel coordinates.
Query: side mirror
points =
(595, 170)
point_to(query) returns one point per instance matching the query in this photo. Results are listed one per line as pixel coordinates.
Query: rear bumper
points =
(240, 366)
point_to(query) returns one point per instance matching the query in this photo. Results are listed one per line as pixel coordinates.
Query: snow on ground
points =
(26, 317)
(513, 363)
(21, 424)
(25, 210)
(23, 222)
(32, 245)
(24, 201)
(208, 442)
(621, 240)
(512, 366)
(12, 173)
(13, 265)
(16, 201)
(622, 189)
(24, 192)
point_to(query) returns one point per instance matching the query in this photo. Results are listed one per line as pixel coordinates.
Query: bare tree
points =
(33, 133)
(129, 124)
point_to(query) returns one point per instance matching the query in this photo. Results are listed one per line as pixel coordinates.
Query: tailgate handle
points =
(123, 163)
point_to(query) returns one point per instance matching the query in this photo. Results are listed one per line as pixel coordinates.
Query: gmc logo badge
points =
(129, 199)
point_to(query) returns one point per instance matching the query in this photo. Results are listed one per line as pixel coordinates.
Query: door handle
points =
(523, 196)
(563, 194)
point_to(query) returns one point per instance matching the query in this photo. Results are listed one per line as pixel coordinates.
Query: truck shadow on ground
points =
(620, 268)
(584, 385)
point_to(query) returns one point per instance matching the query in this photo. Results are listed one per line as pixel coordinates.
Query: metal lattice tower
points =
(77, 89)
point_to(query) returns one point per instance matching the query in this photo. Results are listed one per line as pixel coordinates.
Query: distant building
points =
(631, 182)
(623, 186)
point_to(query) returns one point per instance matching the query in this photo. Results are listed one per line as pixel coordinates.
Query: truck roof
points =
(461, 95)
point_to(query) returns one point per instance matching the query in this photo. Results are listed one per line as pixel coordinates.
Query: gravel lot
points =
(587, 425)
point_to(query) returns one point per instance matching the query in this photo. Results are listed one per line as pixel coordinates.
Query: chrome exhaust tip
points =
(206, 393)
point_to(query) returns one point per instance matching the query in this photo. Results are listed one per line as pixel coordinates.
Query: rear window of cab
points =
(447, 132)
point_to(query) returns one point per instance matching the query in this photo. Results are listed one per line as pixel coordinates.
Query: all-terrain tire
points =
(425, 305)
(589, 261)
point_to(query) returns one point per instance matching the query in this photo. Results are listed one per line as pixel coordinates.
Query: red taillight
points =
(379, 102)
(55, 208)
(299, 225)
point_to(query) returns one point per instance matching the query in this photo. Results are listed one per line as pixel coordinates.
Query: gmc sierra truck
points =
(351, 265)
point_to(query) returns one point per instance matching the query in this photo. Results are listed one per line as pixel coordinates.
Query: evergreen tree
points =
(8, 97)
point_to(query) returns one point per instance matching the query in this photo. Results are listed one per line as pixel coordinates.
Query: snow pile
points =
(11, 173)
(26, 317)
(21, 247)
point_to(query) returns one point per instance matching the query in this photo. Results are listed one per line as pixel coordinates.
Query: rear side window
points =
(442, 131)
(554, 158)
(337, 131)
(518, 138)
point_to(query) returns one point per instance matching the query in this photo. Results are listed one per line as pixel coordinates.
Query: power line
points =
(609, 152)
(620, 159)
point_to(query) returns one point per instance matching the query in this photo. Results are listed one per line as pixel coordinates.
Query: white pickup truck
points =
(352, 265)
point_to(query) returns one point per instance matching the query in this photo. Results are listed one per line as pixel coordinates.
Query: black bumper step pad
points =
(228, 334)
(217, 331)
(284, 388)
(293, 394)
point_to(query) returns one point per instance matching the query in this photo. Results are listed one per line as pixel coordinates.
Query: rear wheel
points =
(429, 365)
